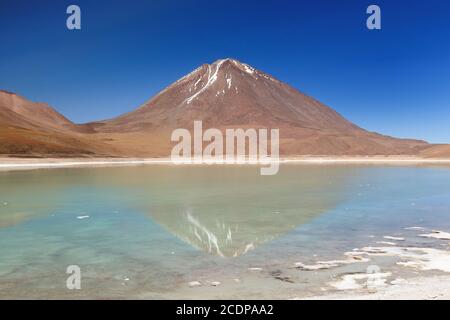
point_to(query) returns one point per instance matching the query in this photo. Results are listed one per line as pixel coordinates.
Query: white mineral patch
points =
(193, 284)
(361, 280)
(415, 228)
(255, 269)
(422, 288)
(394, 238)
(398, 281)
(330, 264)
(437, 235)
(313, 267)
(368, 250)
(417, 258)
(387, 243)
(216, 283)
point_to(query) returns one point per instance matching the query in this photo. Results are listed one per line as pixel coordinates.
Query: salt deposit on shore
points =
(411, 272)
(422, 288)
(437, 235)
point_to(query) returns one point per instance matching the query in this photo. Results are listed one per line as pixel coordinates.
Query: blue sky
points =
(395, 81)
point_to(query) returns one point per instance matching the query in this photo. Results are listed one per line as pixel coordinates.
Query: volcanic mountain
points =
(229, 94)
(224, 94)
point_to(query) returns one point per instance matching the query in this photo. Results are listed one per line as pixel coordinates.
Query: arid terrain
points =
(35, 129)
(225, 94)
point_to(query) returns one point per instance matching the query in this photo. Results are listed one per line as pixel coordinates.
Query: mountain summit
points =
(229, 92)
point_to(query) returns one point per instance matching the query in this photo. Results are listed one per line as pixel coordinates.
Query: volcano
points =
(231, 94)
(224, 94)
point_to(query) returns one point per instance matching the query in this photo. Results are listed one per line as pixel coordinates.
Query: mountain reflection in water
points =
(229, 211)
(222, 210)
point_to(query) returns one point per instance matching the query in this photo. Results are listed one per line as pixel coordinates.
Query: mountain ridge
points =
(35, 128)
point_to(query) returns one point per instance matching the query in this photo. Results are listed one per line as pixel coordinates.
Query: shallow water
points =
(146, 231)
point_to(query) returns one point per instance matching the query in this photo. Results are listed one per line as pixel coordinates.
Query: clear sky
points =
(395, 80)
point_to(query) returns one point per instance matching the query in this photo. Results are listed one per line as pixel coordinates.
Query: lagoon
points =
(147, 231)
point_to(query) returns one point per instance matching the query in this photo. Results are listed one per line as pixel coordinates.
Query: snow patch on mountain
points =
(248, 69)
(196, 83)
(229, 82)
(211, 79)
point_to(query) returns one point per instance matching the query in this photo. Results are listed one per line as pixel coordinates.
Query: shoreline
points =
(419, 288)
(7, 163)
(397, 271)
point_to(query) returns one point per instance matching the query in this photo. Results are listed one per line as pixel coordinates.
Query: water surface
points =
(146, 231)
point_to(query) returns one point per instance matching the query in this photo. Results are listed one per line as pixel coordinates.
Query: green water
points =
(148, 230)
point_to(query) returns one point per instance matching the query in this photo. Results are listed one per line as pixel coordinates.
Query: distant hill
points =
(31, 128)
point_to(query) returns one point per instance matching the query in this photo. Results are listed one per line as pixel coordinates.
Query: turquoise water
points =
(145, 231)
